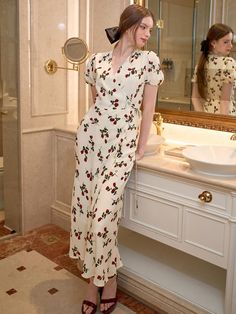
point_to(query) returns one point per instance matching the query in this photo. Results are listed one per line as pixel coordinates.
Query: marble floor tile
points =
(37, 275)
(31, 283)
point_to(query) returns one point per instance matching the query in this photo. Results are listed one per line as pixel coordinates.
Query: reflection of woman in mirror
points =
(110, 138)
(214, 78)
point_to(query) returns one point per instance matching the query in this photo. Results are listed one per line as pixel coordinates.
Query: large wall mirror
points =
(181, 26)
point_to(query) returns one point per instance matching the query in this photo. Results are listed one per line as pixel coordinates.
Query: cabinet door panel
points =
(155, 213)
(206, 234)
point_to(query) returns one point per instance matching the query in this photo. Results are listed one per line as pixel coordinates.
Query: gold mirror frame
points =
(140, 2)
(197, 119)
(80, 59)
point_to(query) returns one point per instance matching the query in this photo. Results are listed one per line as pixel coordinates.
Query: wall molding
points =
(37, 130)
(46, 97)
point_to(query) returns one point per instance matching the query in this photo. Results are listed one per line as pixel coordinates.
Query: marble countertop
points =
(179, 167)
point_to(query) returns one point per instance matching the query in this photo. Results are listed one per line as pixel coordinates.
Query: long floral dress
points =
(105, 153)
(219, 70)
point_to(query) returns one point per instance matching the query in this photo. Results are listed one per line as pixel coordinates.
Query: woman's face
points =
(143, 31)
(223, 45)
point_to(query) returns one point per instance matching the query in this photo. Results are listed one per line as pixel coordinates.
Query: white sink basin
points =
(153, 144)
(216, 160)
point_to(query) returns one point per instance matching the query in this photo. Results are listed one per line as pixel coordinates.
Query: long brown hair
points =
(132, 16)
(216, 32)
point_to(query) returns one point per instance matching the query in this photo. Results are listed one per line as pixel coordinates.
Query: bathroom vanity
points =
(191, 267)
(178, 251)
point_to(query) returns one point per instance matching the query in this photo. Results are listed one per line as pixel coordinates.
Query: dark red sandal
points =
(112, 307)
(90, 304)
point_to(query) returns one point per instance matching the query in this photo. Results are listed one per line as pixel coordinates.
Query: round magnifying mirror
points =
(75, 50)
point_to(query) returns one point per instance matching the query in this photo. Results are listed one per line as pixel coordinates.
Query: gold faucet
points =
(158, 120)
(233, 137)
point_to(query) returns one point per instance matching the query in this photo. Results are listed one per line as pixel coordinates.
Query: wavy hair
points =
(132, 17)
(216, 32)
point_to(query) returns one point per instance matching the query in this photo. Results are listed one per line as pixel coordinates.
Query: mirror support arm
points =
(75, 51)
(51, 67)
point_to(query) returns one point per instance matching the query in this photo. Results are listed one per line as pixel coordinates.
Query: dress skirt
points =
(105, 153)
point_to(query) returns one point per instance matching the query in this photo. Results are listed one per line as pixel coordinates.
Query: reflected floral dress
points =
(105, 153)
(219, 70)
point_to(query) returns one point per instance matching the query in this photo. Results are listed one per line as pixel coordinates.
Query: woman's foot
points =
(89, 305)
(108, 299)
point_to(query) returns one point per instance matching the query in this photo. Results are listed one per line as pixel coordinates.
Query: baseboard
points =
(60, 217)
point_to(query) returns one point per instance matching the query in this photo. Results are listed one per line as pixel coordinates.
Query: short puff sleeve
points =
(154, 75)
(90, 71)
(229, 72)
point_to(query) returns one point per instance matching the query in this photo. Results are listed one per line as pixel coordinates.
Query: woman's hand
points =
(139, 155)
(149, 101)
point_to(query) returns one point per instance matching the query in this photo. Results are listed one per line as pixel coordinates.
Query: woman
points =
(214, 78)
(109, 139)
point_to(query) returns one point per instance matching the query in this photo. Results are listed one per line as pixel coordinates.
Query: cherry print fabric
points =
(219, 71)
(105, 153)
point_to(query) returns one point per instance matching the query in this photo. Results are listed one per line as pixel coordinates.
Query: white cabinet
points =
(153, 216)
(206, 236)
(166, 208)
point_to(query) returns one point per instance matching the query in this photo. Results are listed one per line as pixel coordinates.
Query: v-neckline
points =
(120, 66)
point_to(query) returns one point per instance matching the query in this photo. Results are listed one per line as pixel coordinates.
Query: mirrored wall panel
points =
(181, 26)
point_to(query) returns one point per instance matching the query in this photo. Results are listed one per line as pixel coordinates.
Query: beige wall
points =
(37, 179)
(43, 104)
(104, 14)
(230, 12)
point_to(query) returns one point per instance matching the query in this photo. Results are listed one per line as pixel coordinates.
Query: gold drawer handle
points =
(205, 196)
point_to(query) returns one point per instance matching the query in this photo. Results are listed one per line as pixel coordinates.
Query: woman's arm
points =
(228, 77)
(196, 99)
(149, 102)
(227, 90)
(93, 92)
